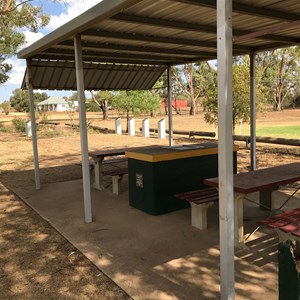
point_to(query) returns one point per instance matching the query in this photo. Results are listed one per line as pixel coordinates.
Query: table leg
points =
(98, 175)
(238, 219)
(265, 200)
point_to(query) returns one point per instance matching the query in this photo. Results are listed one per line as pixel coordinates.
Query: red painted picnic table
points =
(263, 181)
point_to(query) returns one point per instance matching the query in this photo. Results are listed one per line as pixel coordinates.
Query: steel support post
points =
(252, 111)
(170, 106)
(225, 148)
(83, 130)
(33, 127)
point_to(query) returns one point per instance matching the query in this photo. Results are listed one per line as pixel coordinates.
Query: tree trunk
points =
(127, 118)
(166, 107)
(104, 108)
(278, 97)
(193, 107)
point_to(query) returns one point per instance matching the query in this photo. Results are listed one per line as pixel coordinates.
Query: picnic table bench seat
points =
(200, 200)
(116, 175)
(286, 224)
(110, 161)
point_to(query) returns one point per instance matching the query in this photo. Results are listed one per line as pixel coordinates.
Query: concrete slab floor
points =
(158, 257)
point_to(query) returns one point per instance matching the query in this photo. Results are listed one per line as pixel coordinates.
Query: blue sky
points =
(60, 12)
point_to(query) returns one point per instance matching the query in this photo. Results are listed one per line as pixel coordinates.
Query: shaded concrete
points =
(158, 257)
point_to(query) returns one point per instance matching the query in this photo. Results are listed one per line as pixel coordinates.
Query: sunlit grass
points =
(288, 132)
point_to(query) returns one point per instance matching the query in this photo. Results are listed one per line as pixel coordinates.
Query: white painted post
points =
(118, 126)
(252, 111)
(241, 126)
(145, 127)
(131, 127)
(83, 130)
(225, 148)
(162, 129)
(28, 129)
(33, 126)
(170, 115)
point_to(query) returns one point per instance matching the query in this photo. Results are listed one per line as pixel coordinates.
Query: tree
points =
(193, 79)
(5, 107)
(136, 102)
(286, 65)
(103, 100)
(280, 71)
(39, 97)
(240, 93)
(161, 88)
(20, 99)
(15, 15)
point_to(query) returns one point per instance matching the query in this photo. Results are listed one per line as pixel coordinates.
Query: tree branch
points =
(9, 8)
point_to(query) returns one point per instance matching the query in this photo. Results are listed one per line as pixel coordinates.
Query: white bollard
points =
(145, 126)
(28, 129)
(162, 129)
(131, 129)
(241, 126)
(118, 126)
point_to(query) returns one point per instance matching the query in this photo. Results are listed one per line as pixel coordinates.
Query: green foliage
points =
(39, 97)
(5, 107)
(280, 73)
(240, 94)
(16, 15)
(104, 100)
(193, 80)
(19, 124)
(136, 102)
(92, 106)
(20, 99)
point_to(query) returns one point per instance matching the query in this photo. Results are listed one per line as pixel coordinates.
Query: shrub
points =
(19, 124)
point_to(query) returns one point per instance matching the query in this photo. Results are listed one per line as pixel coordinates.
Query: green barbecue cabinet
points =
(155, 175)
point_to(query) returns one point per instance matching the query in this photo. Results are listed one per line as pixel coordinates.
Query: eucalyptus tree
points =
(240, 94)
(14, 16)
(281, 76)
(104, 100)
(161, 88)
(134, 103)
(193, 80)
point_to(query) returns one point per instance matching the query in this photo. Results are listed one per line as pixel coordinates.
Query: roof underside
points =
(156, 33)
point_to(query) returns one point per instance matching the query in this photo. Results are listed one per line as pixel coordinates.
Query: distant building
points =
(176, 103)
(56, 104)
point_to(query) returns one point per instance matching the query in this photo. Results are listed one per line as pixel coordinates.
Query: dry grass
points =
(29, 244)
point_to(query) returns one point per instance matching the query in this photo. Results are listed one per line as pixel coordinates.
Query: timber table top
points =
(263, 179)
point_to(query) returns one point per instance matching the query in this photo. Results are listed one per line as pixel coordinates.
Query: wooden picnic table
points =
(99, 155)
(263, 181)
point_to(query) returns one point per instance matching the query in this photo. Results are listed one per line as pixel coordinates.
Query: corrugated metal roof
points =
(60, 75)
(52, 100)
(159, 33)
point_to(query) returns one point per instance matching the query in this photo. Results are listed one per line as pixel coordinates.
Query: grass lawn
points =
(288, 132)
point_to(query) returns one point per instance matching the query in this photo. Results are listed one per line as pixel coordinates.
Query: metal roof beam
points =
(157, 39)
(141, 20)
(178, 52)
(89, 59)
(164, 23)
(268, 30)
(117, 55)
(247, 9)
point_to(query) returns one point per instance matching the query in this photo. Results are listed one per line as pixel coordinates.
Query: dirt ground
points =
(36, 262)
